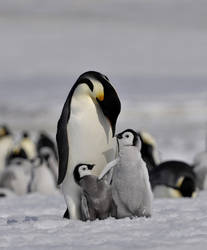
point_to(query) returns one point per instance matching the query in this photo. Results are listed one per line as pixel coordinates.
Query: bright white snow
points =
(35, 222)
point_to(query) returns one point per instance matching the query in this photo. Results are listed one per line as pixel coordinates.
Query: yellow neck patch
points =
(147, 138)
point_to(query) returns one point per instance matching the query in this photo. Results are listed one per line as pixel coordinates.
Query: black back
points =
(44, 140)
(168, 173)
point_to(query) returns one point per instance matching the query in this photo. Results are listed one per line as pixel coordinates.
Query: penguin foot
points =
(66, 214)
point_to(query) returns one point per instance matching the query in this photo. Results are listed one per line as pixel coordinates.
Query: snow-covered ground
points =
(35, 222)
(155, 54)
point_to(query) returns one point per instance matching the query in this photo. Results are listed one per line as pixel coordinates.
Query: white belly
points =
(89, 136)
(90, 141)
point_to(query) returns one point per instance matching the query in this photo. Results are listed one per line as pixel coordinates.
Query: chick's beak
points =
(90, 167)
(119, 136)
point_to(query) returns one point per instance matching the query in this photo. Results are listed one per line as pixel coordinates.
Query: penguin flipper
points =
(66, 214)
(62, 141)
(84, 209)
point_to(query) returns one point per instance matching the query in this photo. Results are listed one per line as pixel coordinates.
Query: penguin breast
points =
(89, 135)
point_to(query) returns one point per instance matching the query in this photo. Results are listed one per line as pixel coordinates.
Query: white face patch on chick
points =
(84, 170)
(127, 139)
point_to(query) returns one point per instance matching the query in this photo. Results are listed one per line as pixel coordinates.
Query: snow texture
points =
(35, 222)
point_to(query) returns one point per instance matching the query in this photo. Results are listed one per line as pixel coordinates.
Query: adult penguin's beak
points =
(100, 95)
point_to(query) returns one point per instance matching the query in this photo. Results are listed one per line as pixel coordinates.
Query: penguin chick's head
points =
(82, 170)
(128, 138)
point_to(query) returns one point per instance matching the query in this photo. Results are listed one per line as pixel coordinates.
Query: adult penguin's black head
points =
(4, 131)
(16, 153)
(100, 89)
(149, 150)
(187, 187)
(105, 96)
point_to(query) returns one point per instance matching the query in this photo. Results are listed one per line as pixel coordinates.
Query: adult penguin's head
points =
(100, 88)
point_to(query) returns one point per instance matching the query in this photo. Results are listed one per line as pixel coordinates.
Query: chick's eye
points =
(127, 136)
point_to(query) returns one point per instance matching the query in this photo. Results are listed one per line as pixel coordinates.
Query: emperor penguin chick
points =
(96, 195)
(131, 190)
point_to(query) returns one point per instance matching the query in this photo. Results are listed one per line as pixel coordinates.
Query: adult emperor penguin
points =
(96, 195)
(6, 144)
(85, 132)
(173, 179)
(131, 190)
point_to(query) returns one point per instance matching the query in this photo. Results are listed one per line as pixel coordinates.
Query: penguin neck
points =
(124, 149)
(89, 184)
(127, 153)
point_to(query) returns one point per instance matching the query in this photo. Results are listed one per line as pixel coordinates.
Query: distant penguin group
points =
(27, 165)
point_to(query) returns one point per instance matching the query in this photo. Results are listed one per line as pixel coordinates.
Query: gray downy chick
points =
(131, 190)
(96, 195)
(16, 177)
(42, 180)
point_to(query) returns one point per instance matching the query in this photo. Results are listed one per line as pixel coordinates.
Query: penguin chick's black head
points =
(128, 137)
(82, 170)
(187, 187)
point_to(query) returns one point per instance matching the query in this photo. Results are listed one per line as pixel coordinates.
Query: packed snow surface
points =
(35, 222)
